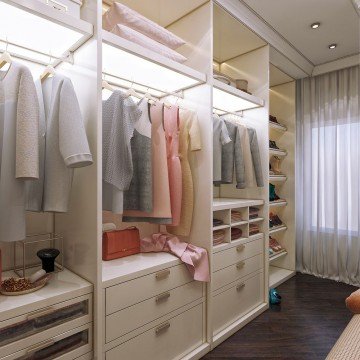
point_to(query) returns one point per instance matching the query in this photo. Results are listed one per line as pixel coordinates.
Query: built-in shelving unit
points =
(277, 152)
(277, 127)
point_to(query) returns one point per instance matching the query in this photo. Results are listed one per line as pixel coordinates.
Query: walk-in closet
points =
(178, 179)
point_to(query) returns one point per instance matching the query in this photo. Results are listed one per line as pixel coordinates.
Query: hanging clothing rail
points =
(222, 112)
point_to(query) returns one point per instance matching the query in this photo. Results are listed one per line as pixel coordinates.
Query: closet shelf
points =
(256, 220)
(277, 127)
(239, 223)
(277, 256)
(277, 152)
(54, 34)
(229, 203)
(276, 229)
(133, 266)
(277, 203)
(131, 62)
(62, 285)
(220, 227)
(278, 275)
(277, 178)
(229, 99)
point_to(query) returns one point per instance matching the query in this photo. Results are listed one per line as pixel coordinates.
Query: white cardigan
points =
(63, 145)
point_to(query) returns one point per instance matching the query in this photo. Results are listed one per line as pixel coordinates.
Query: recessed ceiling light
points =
(315, 25)
(332, 46)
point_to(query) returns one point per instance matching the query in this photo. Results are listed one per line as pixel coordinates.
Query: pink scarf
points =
(194, 257)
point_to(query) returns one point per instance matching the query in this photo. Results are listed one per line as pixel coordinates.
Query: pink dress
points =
(171, 125)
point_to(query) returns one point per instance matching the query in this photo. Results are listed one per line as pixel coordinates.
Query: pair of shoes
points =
(274, 245)
(273, 119)
(272, 194)
(274, 220)
(272, 145)
(275, 166)
(274, 297)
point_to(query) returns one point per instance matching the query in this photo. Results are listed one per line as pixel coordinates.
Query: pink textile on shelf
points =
(194, 257)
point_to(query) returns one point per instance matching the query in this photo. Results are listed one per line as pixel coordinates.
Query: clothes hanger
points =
(49, 71)
(106, 85)
(150, 99)
(131, 92)
(5, 57)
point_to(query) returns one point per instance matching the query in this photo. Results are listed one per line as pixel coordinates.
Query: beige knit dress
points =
(190, 140)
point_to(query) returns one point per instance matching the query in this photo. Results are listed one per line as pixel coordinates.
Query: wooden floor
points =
(305, 327)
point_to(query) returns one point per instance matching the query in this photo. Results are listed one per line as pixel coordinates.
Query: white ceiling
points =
(340, 23)
(226, 29)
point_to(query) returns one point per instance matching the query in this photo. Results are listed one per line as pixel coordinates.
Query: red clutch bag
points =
(120, 243)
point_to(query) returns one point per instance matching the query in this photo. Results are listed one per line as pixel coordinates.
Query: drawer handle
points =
(162, 274)
(40, 313)
(240, 265)
(57, 5)
(39, 347)
(162, 297)
(160, 329)
(240, 286)
(240, 248)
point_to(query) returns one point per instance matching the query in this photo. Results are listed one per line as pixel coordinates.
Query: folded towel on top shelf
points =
(218, 237)
(253, 212)
(236, 216)
(236, 233)
(217, 222)
(253, 229)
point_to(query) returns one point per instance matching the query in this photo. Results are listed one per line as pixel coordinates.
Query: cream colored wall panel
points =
(129, 319)
(145, 287)
(172, 339)
(239, 299)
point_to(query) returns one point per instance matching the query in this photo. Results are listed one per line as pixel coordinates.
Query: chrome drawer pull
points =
(162, 328)
(162, 274)
(39, 347)
(57, 5)
(240, 248)
(40, 313)
(240, 286)
(240, 265)
(162, 297)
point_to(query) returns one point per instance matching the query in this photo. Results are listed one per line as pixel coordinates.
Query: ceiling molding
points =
(249, 18)
(338, 64)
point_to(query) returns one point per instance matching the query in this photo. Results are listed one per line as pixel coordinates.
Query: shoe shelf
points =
(278, 275)
(277, 127)
(276, 229)
(277, 203)
(277, 256)
(277, 152)
(277, 178)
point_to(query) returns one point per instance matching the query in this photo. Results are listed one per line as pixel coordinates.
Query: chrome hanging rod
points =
(124, 87)
(67, 58)
(238, 113)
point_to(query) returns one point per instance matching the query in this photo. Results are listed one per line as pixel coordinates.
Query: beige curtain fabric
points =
(328, 175)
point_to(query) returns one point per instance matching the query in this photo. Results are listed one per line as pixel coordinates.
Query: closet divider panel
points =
(282, 105)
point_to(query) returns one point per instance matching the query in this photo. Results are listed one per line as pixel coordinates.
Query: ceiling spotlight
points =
(315, 25)
(332, 46)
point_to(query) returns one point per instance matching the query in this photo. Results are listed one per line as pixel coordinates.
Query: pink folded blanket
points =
(194, 257)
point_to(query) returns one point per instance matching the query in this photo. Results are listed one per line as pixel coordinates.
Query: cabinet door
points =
(68, 346)
(25, 330)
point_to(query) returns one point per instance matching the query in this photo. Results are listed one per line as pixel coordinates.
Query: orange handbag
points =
(121, 243)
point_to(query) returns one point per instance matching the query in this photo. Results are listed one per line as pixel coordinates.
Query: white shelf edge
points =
(277, 229)
(231, 203)
(278, 275)
(239, 223)
(277, 203)
(221, 227)
(135, 49)
(277, 178)
(277, 127)
(279, 152)
(238, 93)
(277, 256)
(258, 219)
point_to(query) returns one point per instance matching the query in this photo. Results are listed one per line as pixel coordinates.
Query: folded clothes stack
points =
(274, 247)
(236, 216)
(253, 212)
(253, 229)
(236, 233)
(217, 222)
(218, 237)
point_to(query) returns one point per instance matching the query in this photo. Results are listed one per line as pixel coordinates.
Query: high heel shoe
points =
(275, 165)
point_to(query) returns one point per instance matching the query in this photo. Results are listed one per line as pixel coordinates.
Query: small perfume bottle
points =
(48, 257)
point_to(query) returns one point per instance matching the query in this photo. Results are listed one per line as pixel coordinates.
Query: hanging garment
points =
(171, 125)
(220, 138)
(194, 257)
(63, 145)
(139, 196)
(19, 147)
(120, 115)
(256, 158)
(189, 140)
(161, 213)
(248, 162)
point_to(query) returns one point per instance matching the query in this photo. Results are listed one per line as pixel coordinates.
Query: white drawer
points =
(169, 341)
(131, 292)
(28, 329)
(237, 301)
(67, 346)
(237, 253)
(132, 317)
(71, 7)
(236, 271)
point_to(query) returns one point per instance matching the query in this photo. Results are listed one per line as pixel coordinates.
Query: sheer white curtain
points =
(328, 175)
